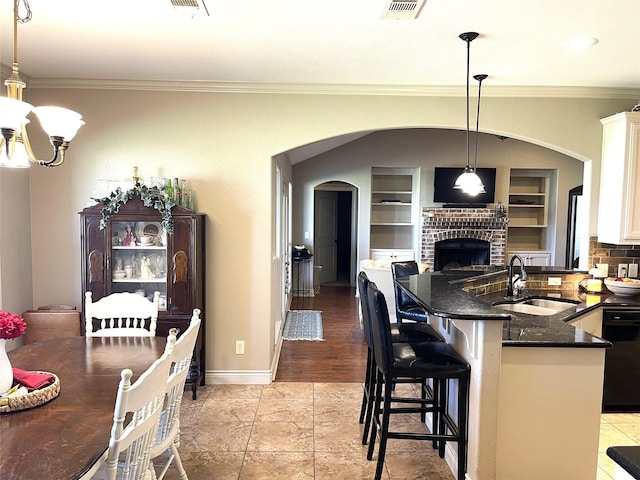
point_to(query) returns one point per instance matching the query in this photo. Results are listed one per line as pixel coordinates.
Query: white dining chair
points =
(122, 315)
(129, 454)
(168, 439)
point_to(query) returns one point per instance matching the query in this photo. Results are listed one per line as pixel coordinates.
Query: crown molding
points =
(336, 89)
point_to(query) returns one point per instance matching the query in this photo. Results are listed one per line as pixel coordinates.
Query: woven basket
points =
(31, 399)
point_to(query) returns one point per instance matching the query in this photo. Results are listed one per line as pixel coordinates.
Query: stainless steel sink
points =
(557, 305)
(526, 308)
(538, 306)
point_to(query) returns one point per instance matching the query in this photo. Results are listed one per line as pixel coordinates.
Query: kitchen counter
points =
(628, 458)
(442, 294)
(549, 397)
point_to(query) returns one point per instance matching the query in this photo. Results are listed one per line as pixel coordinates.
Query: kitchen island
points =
(536, 387)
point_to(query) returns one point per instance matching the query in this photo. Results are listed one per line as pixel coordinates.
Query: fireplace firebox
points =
(461, 252)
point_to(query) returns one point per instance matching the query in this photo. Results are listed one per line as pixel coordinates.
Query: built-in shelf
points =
(528, 211)
(395, 216)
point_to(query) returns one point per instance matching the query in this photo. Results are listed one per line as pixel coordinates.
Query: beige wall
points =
(223, 145)
(15, 244)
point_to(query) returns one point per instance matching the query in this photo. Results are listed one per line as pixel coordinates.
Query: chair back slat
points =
(122, 314)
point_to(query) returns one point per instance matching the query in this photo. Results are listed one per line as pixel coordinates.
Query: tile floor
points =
(290, 430)
(616, 429)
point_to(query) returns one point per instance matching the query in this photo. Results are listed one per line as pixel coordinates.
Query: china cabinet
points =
(133, 253)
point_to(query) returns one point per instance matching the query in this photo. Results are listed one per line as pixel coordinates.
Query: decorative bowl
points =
(118, 274)
(627, 287)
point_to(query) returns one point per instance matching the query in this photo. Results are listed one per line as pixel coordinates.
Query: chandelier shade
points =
(60, 124)
(13, 113)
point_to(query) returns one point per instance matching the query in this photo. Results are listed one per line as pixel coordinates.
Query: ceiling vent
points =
(402, 9)
(190, 7)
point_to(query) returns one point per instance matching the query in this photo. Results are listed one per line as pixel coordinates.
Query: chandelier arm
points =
(54, 161)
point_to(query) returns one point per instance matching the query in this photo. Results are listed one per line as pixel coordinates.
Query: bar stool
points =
(406, 307)
(416, 332)
(423, 360)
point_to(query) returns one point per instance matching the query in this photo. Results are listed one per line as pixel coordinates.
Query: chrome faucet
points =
(522, 276)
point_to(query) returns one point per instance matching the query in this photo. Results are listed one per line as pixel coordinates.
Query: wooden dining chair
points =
(129, 453)
(121, 315)
(168, 439)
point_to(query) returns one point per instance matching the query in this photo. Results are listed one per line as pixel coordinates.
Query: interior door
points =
(326, 234)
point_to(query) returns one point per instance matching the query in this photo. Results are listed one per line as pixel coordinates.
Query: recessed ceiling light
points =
(580, 43)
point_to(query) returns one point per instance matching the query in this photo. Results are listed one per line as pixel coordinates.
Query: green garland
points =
(150, 196)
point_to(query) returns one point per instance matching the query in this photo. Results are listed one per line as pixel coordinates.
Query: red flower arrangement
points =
(11, 325)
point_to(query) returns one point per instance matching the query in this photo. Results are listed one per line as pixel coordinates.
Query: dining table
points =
(65, 437)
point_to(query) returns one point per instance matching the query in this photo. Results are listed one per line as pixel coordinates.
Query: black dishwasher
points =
(622, 362)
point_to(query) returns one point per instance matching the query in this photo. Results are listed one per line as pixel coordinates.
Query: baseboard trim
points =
(238, 377)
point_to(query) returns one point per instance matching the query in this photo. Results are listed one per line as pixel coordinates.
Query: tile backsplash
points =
(613, 255)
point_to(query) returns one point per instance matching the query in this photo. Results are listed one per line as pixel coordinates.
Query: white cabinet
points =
(618, 220)
(396, 255)
(537, 258)
(590, 322)
(395, 214)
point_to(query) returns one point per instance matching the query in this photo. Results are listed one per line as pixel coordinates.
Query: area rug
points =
(303, 325)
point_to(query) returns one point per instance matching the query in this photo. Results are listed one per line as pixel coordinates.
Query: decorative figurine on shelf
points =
(145, 268)
(500, 210)
(129, 237)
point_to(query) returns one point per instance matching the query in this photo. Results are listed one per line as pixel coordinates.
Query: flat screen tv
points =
(445, 178)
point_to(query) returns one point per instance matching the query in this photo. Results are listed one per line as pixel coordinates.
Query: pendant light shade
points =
(469, 181)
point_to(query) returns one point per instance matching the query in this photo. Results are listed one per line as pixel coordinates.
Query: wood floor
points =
(342, 356)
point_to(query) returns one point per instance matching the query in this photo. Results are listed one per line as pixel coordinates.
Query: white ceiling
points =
(328, 45)
(521, 43)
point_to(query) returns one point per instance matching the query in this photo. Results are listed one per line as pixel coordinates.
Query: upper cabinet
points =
(619, 212)
(530, 197)
(395, 213)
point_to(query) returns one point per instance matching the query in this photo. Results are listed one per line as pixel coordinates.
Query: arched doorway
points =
(335, 232)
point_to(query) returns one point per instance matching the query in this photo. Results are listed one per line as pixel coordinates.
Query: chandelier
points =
(469, 181)
(60, 124)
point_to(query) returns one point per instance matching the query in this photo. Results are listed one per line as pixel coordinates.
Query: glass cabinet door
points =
(139, 259)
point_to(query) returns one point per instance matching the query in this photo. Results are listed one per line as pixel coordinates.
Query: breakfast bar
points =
(536, 386)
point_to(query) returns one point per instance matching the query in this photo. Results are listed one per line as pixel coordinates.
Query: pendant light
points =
(468, 181)
(475, 189)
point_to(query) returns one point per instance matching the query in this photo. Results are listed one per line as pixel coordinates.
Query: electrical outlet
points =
(239, 347)
(554, 281)
(622, 270)
(633, 270)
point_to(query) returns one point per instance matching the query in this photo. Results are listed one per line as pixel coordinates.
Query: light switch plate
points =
(622, 270)
(633, 270)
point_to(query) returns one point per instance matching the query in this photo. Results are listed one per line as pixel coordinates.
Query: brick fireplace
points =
(463, 223)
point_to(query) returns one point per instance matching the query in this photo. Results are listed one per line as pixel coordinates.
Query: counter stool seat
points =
(437, 361)
(404, 332)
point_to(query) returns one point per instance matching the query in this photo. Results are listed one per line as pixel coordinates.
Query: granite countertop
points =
(627, 457)
(441, 294)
